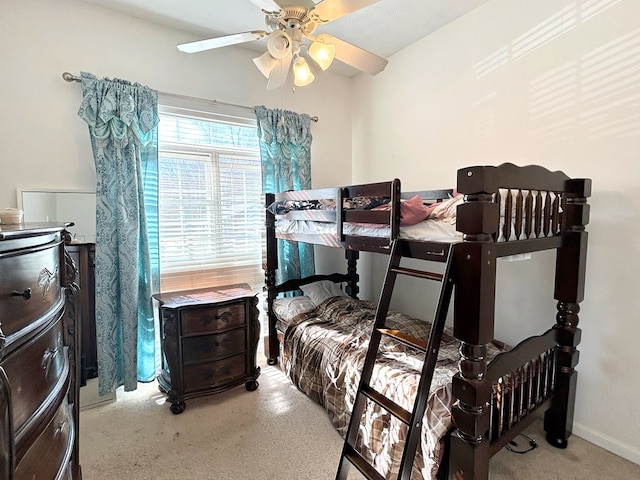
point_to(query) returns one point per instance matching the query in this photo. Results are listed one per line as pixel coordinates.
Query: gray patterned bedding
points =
(323, 354)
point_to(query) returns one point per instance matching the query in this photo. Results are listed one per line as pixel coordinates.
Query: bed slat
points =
(419, 273)
(528, 214)
(405, 339)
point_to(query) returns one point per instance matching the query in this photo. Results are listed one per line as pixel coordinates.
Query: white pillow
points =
(318, 292)
(446, 210)
(288, 307)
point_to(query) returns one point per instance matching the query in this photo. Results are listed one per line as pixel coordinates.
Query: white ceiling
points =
(383, 28)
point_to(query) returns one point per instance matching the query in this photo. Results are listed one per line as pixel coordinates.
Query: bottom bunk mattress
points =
(323, 354)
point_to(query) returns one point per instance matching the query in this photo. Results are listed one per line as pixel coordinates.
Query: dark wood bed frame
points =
(545, 364)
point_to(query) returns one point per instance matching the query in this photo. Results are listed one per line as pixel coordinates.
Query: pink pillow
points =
(412, 211)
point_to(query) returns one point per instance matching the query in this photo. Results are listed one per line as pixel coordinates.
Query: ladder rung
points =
(388, 404)
(361, 464)
(418, 273)
(404, 338)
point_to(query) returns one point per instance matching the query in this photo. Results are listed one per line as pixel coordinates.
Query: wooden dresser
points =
(38, 352)
(209, 340)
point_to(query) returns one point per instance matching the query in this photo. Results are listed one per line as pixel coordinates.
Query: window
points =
(210, 201)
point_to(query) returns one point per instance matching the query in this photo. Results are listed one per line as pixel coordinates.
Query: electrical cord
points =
(513, 446)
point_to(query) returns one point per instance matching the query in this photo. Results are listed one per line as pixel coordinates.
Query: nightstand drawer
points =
(195, 321)
(213, 347)
(214, 374)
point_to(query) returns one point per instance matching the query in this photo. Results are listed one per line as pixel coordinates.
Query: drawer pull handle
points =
(225, 317)
(47, 359)
(26, 294)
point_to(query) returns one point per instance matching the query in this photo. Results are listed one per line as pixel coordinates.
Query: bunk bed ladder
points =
(413, 418)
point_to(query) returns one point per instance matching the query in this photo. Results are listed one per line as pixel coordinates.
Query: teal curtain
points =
(285, 151)
(122, 119)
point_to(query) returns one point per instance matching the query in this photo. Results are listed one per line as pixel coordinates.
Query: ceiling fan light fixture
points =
(302, 75)
(290, 29)
(265, 63)
(322, 53)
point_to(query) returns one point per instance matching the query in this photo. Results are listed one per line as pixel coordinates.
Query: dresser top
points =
(20, 230)
(222, 293)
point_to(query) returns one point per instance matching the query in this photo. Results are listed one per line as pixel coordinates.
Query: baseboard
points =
(612, 445)
(90, 398)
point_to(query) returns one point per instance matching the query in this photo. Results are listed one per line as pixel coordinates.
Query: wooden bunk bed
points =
(503, 210)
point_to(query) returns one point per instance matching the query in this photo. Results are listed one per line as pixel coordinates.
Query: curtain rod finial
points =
(70, 78)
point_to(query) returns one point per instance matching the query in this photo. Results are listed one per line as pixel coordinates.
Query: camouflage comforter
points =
(324, 351)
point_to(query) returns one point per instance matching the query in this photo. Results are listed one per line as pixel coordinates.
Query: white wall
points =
(550, 82)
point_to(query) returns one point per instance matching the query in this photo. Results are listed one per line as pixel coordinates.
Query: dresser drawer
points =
(30, 285)
(48, 457)
(213, 347)
(196, 321)
(41, 366)
(214, 374)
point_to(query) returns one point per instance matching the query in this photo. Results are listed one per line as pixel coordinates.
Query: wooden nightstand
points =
(209, 342)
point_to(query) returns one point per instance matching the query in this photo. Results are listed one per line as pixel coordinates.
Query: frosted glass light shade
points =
(302, 75)
(279, 44)
(265, 63)
(322, 53)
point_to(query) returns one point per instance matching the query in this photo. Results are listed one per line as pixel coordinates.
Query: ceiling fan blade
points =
(357, 57)
(296, 3)
(268, 5)
(330, 10)
(280, 73)
(275, 5)
(200, 45)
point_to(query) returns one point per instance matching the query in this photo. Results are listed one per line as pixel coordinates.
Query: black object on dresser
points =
(39, 341)
(209, 342)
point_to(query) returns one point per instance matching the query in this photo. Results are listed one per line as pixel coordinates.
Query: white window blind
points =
(211, 212)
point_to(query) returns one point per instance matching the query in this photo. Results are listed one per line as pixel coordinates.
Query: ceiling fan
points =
(291, 26)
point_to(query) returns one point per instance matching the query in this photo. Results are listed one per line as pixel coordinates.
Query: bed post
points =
(352, 272)
(270, 267)
(474, 307)
(569, 291)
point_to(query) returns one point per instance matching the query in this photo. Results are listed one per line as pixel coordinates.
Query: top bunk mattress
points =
(427, 230)
(418, 221)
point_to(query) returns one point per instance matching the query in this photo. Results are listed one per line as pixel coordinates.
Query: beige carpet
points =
(272, 433)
